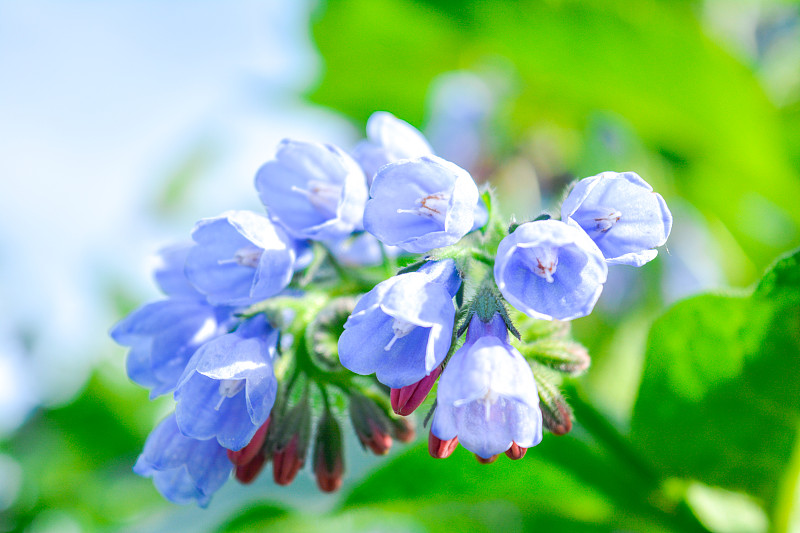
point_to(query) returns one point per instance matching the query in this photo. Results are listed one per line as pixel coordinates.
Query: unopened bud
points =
(562, 355)
(291, 443)
(556, 413)
(246, 454)
(441, 449)
(516, 452)
(486, 460)
(406, 399)
(328, 460)
(403, 429)
(371, 424)
(247, 472)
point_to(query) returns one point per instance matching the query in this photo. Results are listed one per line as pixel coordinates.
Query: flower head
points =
(622, 214)
(401, 329)
(315, 191)
(239, 258)
(550, 270)
(183, 469)
(389, 139)
(228, 387)
(487, 394)
(421, 204)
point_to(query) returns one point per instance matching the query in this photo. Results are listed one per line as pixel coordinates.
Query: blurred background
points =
(122, 123)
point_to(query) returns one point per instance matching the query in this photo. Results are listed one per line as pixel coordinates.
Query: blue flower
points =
(361, 249)
(163, 336)
(550, 270)
(239, 258)
(421, 204)
(228, 387)
(401, 330)
(389, 139)
(622, 214)
(487, 395)
(183, 469)
(169, 272)
(315, 191)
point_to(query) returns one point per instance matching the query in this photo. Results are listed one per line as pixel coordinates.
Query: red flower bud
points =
(441, 449)
(486, 460)
(403, 429)
(516, 452)
(328, 460)
(246, 473)
(246, 454)
(371, 423)
(286, 462)
(406, 399)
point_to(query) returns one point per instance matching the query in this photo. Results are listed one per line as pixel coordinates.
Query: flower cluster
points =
(275, 327)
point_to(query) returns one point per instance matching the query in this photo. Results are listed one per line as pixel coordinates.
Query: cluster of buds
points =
(276, 327)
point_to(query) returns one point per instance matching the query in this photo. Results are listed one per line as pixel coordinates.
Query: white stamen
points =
(228, 388)
(248, 257)
(605, 223)
(401, 328)
(432, 206)
(546, 263)
(324, 196)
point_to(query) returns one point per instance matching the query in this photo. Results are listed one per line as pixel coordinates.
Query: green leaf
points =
(720, 396)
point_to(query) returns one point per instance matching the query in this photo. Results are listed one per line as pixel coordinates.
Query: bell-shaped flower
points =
(487, 395)
(169, 272)
(315, 191)
(421, 204)
(388, 139)
(184, 470)
(550, 270)
(622, 214)
(229, 387)
(239, 258)
(401, 330)
(163, 336)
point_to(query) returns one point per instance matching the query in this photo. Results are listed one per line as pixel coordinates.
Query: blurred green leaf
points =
(720, 397)
(698, 110)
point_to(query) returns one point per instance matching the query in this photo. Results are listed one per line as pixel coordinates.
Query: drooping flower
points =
(401, 330)
(229, 387)
(163, 336)
(315, 191)
(622, 214)
(487, 395)
(388, 139)
(421, 204)
(184, 470)
(239, 258)
(550, 270)
(169, 272)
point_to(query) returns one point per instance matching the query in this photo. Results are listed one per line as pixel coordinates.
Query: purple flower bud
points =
(421, 204)
(228, 387)
(183, 469)
(389, 139)
(550, 270)
(487, 394)
(622, 214)
(401, 330)
(239, 258)
(287, 461)
(247, 473)
(405, 400)
(315, 191)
